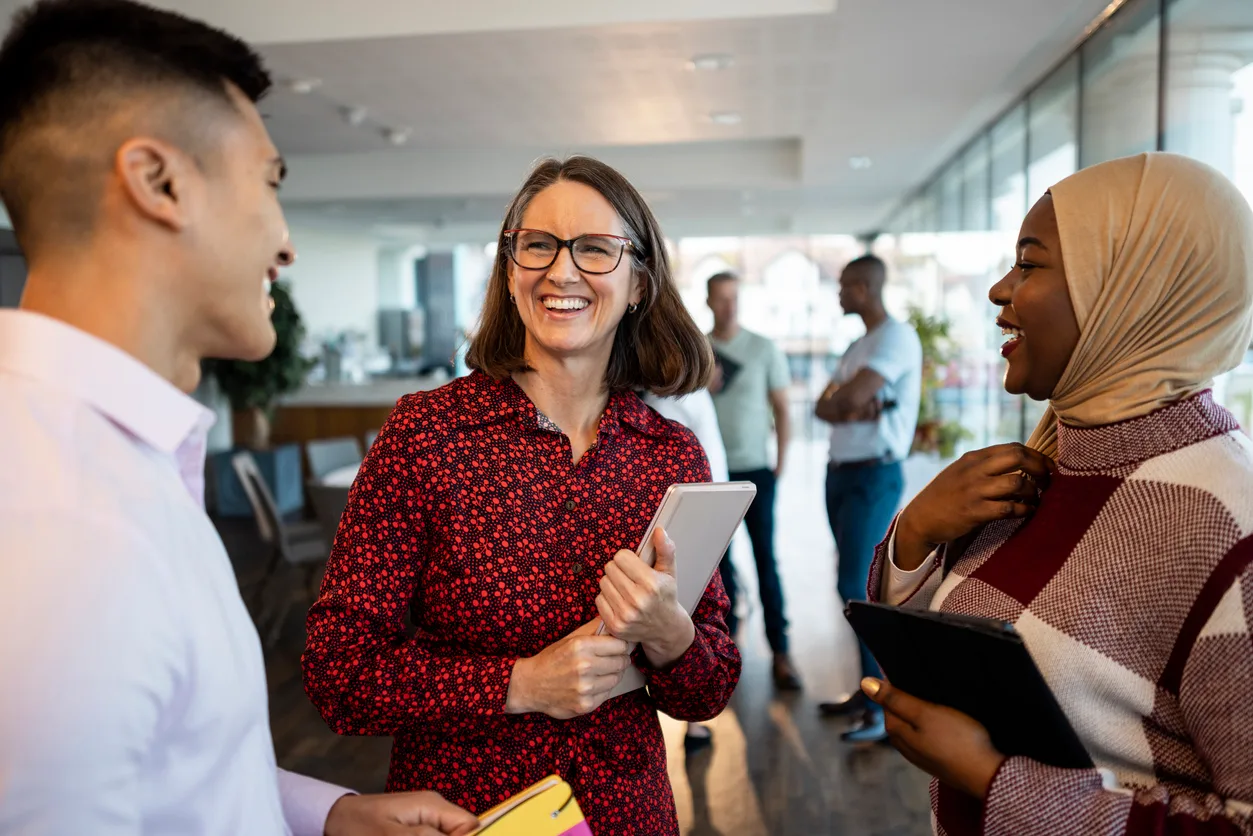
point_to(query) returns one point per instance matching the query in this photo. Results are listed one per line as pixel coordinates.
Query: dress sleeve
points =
(698, 685)
(1216, 699)
(361, 669)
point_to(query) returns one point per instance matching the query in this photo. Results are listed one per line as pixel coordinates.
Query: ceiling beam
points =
(305, 21)
(765, 163)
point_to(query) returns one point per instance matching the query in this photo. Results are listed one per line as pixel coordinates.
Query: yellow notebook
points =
(546, 809)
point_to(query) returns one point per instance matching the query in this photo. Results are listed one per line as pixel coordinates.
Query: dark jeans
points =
(860, 504)
(727, 570)
(760, 523)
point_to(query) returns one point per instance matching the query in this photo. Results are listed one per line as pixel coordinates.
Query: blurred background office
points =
(778, 139)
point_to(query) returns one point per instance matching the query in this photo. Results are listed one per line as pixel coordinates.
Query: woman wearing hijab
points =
(1118, 542)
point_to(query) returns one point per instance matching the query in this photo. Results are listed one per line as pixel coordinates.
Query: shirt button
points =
(569, 504)
(578, 568)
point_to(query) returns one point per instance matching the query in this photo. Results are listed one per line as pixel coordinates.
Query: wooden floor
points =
(775, 768)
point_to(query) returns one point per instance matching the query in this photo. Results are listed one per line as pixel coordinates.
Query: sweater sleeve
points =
(890, 584)
(361, 669)
(1216, 700)
(699, 684)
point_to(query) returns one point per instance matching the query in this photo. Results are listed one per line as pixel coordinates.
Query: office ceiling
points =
(480, 88)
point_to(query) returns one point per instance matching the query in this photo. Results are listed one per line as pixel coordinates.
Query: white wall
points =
(398, 286)
(335, 281)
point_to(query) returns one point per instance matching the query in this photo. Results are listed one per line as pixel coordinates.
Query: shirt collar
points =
(623, 409)
(111, 381)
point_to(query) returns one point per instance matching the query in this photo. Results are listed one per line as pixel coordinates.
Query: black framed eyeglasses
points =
(534, 249)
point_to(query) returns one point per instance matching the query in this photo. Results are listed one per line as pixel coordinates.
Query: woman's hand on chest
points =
(640, 603)
(569, 678)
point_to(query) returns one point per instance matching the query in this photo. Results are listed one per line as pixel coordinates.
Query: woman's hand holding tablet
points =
(640, 603)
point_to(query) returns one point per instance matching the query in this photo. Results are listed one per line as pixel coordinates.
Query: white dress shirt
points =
(132, 688)
(696, 412)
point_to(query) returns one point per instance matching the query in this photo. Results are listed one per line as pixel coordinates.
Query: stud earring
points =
(512, 301)
(633, 307)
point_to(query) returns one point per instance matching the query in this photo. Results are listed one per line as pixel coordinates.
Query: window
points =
(1009, 170)
(1052, 138)
(1120, 84)
(976, 185)
(950, 196)
(1209, 116)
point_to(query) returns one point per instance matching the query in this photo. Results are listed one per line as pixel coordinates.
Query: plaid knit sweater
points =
(1132, 587)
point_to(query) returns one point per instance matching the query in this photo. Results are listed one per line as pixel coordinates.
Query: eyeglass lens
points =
(535, 250)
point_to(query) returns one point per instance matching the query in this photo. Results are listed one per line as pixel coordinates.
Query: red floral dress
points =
(469, 518)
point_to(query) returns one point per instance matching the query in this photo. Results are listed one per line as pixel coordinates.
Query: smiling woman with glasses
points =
(496, 516)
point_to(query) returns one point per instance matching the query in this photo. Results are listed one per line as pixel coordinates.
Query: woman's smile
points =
(565, 308)
(1012, 331)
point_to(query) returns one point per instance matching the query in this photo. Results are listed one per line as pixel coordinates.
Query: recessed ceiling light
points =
(304, 86)
(397, 136)
(860, 163)
(725, 117)
(353, 115)
(711, 61)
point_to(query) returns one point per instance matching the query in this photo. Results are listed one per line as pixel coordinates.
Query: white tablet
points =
(701, 519)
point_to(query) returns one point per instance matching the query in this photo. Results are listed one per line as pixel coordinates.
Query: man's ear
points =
(155, 177)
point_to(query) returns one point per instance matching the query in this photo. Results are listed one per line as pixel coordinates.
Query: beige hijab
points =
(1158, 252)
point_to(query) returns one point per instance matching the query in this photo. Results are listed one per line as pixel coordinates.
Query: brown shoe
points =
(855, 703)
(785, 678)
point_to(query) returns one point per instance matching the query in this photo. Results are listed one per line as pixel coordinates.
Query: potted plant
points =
(934, 435)
(252, 388)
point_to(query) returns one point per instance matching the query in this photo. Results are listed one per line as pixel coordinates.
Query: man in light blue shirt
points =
(750, 394)
(872, 406)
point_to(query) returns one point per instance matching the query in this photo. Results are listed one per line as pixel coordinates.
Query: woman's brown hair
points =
(658, 348)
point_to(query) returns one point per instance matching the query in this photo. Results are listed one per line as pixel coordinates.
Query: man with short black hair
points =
(142, 186)
(872, 406)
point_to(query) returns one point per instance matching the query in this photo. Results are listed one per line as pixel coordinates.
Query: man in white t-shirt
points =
(872, 405)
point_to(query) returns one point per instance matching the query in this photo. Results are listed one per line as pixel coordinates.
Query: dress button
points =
(569, 504)
(578, 568)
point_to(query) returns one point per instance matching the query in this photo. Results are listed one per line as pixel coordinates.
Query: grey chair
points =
(330, 454)
(295, 548)
(328, 504)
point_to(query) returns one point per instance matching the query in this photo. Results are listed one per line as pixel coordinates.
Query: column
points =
(1200, 102)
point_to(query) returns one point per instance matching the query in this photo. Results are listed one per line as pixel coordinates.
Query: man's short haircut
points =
(870, 262)
(875, 272)
(719, 278)
(83, 76)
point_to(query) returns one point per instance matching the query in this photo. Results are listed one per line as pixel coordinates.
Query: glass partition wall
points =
(1174, 75)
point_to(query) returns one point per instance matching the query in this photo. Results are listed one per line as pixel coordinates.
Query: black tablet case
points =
(730, 368)
(978, 666)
